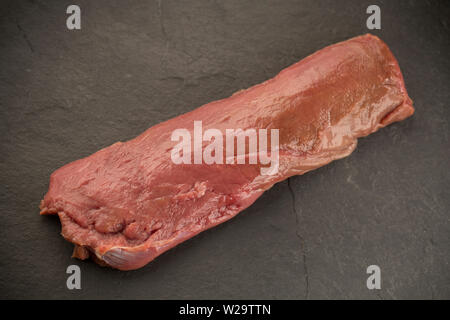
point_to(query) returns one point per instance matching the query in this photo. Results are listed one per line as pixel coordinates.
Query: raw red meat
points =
(128, 203)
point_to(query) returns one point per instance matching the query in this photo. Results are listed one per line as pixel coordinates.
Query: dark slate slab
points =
(65, 94)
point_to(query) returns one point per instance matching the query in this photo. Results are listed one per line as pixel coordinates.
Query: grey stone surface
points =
(65, 94)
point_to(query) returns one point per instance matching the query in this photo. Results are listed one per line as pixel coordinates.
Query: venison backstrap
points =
(128, 203)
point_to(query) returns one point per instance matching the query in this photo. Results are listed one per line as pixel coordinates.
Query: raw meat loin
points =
(128, 203)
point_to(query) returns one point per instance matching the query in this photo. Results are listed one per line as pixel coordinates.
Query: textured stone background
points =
(65, 94)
